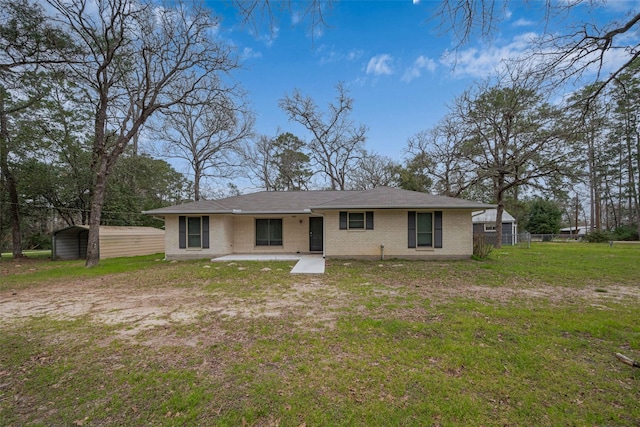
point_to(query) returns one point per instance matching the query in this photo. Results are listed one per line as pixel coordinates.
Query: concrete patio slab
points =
(307, 264)
(258, 257)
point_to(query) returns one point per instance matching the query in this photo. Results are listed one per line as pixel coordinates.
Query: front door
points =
(315, 234)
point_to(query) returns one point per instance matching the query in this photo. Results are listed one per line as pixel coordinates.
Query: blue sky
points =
(392, 59)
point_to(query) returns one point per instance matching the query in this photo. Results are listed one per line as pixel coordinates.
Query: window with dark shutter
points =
(343, 220)
(205, 232)
(411, 226)
(424, 229)
(369, 220)
(182, 232)
(437, 229)
(356, 220)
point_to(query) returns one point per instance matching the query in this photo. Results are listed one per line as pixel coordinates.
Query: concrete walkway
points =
(307, 264)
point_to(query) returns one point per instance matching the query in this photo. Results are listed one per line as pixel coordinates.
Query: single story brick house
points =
(382, 222)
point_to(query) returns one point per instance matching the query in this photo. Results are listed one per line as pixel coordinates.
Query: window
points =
(194, 237)
(356, 220)
(424, 229)
(490, 227)
(269, 232)
(193, 232)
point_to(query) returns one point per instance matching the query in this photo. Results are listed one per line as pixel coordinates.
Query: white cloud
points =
(481, 63)
(329, 55)
(354, 55)
(420, 64)
(522, 23)
(416, 1)
(380, 65)
(248, 53)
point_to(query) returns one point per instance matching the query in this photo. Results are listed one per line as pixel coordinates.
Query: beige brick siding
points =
(390, 230)
(295, 234)
(236, 234)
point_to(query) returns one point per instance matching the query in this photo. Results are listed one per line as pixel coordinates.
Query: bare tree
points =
(258, 157)
(255, 12)
(436, 153)
(560, 56)
(138, 58)
(206, 132)
(278, 164)
(373, 170)
(512, 138)
(336, 143)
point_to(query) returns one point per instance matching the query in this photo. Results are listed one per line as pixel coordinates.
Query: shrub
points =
(38, 241)
(481, 249)
(625, 232)
(597, 236)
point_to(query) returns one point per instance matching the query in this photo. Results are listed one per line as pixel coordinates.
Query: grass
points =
(526, 337)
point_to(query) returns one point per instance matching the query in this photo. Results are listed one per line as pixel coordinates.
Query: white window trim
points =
(193, 248)
(364, 220)
(489, 228)
(433, 232)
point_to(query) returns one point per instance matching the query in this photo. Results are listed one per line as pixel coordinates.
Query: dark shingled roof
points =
(280, 202)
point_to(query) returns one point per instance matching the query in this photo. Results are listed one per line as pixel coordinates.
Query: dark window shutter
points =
(205, 232)
(182, 232)
(411, 226)
(437, 226)
(369, 221)
(343, 220)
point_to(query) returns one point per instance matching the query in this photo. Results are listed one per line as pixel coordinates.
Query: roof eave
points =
(474, 207)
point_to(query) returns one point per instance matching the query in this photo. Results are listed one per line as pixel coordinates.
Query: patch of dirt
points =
(140, 310)
(137, 313)
(554, 294)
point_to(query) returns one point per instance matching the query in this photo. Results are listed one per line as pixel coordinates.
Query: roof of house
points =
(489, 215)
(279, 202)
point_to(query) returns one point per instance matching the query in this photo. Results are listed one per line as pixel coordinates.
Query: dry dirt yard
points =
(120, 300)
(203, 343)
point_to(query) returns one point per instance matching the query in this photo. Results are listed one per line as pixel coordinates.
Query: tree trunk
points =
(10, 182)
(500, 209)
(97, 201)
(197, 175)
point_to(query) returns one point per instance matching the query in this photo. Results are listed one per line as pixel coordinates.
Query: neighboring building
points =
(71, 242)
(484, 222)
(380, 222)
(578, 232)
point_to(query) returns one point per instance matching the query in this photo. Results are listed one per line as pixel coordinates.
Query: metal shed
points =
(484, 222)
(71, 242)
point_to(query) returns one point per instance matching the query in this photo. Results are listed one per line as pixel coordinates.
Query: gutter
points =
(370, 207)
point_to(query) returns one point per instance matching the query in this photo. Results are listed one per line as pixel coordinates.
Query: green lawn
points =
(526, 337)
